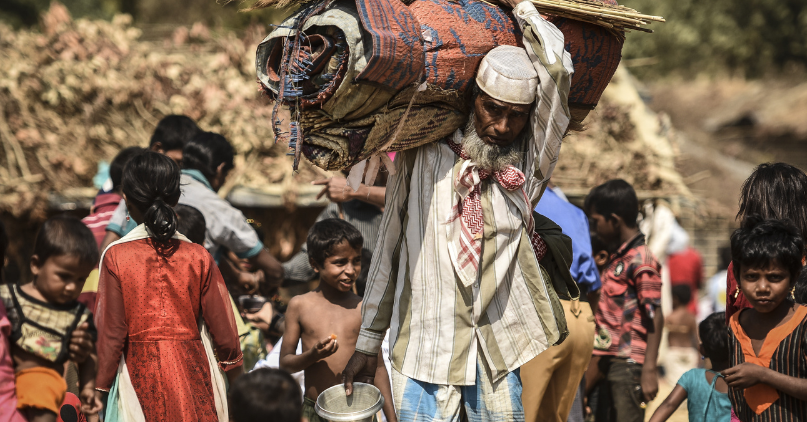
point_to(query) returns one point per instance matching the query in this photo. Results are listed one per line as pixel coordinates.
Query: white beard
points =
(488, 156)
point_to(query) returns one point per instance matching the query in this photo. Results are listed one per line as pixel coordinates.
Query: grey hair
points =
(488, 156)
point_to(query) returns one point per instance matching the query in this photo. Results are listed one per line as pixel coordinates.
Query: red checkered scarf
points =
(469, 210)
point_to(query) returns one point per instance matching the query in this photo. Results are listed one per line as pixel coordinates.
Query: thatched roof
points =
(623, 139)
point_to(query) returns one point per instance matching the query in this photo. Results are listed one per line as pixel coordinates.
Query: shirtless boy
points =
(327, 320)
(682, 354)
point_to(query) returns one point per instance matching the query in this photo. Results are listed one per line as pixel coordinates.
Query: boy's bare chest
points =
(322, 320)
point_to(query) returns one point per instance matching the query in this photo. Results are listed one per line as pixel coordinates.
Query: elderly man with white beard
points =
(456, 274)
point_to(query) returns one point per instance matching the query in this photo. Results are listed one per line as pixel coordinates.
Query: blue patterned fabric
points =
(418, 401)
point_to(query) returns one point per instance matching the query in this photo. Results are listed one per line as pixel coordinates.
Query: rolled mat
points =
(349, 69)
(353, 71)
(320, 68)
(596, 53)
(434, 115)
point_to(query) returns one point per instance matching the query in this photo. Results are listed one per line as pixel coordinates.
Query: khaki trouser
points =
(550, 381)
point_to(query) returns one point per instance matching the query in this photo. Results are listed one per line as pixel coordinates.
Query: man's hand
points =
(81, 344)
(325, 348)
(361, 368)
(91, 402)
(649, 383)
(336, 189)
(263, 318)
(744, 375)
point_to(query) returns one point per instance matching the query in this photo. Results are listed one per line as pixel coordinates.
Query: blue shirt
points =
(574, 223)
(704, 403)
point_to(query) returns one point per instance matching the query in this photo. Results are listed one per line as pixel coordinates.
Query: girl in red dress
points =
(158, 296)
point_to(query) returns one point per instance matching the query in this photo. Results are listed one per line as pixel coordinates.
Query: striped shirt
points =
(103, 207)
(784, 350)
(510, 313)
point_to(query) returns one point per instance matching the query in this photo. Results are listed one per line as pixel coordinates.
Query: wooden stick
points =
(598, 7)
(579, 10)
(592, 12)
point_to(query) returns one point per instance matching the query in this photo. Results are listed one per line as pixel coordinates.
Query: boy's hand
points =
(744, 375)
(649, 383)
(81, 344)
(325, 348)
(91, 402)
(360, 367)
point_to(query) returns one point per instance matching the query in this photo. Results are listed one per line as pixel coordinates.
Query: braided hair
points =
(151, 184)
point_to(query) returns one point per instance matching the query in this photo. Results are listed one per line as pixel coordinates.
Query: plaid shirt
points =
(630, 294)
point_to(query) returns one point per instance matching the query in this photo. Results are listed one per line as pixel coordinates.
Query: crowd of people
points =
(463, 285)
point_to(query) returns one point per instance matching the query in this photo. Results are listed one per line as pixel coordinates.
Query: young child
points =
(705, 390)
(628, 316)
(106, 201)
(159, 296)
(266, 394)
(191, 223)
(44, 314)
(328, 319)
(768, 343)
(169, 138)
(766, 193)
(103, 208)
(682, 325)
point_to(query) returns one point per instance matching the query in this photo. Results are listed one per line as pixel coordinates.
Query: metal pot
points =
(334, 405)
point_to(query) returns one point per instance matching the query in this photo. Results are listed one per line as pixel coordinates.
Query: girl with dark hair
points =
(155, 353)
(169, 138)
(705, 390)
(773, 191)
(206, 161)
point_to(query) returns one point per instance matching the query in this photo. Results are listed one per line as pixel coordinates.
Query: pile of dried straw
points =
(79, 91)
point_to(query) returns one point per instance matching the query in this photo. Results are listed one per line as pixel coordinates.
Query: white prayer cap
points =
(507, 74)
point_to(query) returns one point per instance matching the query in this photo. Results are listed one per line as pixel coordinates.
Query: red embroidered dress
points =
(148, 307)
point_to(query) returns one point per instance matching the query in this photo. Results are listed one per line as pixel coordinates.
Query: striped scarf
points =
(469, 209)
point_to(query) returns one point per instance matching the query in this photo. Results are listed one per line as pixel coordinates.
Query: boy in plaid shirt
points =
(629, 318)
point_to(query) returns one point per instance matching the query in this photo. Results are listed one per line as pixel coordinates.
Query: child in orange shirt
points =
(45, 313)
(768, 344)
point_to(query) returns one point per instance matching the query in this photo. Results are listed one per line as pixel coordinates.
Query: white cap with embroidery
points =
(507, 74)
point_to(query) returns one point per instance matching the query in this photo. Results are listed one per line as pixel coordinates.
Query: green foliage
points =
(26, 13)
(742, 37)
(21, 13)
